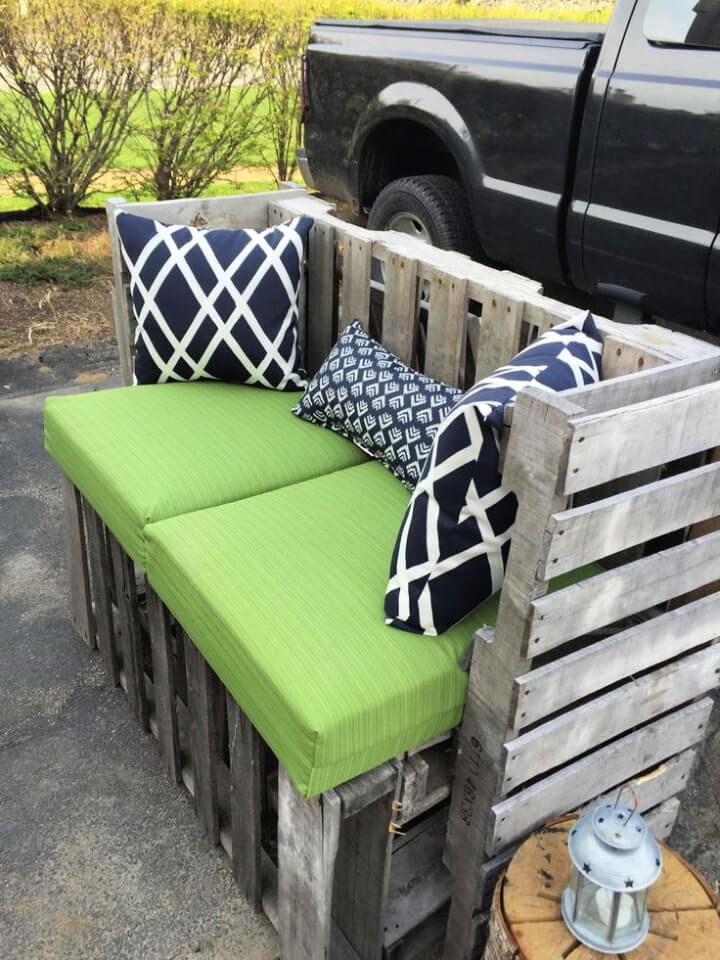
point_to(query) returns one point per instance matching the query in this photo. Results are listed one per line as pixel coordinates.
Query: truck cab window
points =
(692, 23)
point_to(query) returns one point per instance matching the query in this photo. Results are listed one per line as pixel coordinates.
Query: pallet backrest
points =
(442, 313)
(611, 674)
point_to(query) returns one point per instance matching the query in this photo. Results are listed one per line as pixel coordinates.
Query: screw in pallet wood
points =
(525, 921)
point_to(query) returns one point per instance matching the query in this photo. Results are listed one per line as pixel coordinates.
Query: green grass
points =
(67, 273)
(72, 252)
(68, 253)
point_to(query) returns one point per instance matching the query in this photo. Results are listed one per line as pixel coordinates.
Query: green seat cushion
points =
(283, 595)
(140, 454)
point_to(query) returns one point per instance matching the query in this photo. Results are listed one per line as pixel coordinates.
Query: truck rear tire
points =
(431, 208)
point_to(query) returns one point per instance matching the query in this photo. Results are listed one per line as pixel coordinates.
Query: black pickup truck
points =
(576, 154)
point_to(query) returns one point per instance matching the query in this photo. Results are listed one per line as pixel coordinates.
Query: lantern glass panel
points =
(607, 915)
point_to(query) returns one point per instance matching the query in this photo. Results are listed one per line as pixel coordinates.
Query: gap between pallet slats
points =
(618, 593)
(201, 692)
(246, 789)
(99, 565)
(81, 610)
(554, 686)
(130, 631)
(577, 783)
(584, 534)
(606, 717)
(618, 442)
(161, 644)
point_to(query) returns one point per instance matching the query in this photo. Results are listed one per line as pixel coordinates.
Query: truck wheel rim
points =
(407, 223)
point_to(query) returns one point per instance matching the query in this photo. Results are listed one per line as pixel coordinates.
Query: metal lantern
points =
(615, 861)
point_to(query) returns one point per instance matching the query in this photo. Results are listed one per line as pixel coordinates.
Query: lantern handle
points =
(623, 788)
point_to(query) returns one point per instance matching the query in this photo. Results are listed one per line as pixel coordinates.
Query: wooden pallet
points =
(573, 693)
(578, 690)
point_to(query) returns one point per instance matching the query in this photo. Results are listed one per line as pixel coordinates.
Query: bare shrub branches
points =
(70, 78)
(202, 114)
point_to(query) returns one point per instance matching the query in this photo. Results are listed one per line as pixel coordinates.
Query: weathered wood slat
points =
(202, 690)
(362, 874)
(575, 784)
(308, 840)
(593, 723)
(320, 294)
(584, 534)
(243, 210)
(122, 317)
(446, 328)
(161, 644)
(357, 265)
(500, 325)
(618, 442)
(246, 790)
(649, 384)
(130, 631)
(400, 307)
(419, 882)
(358, 793)
(621, 592)
(661, 820)
(101, 572)
(81, 609)
(551, 687)
(654, 788)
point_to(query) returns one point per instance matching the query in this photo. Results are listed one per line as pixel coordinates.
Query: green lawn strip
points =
(137, 152)
(61, 252)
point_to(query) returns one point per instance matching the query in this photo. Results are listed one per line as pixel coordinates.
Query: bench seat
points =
(141, 454)
(283, 595)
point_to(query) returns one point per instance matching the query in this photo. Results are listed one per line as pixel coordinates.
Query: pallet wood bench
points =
(570, 694)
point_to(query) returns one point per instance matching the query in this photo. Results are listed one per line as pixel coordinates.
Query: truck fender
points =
(428, 107)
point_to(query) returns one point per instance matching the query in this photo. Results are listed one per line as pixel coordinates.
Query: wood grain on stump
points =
(526, 923)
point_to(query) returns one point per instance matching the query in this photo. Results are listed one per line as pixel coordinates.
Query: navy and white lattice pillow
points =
(454, 540)
(370, 396)
(215, 304)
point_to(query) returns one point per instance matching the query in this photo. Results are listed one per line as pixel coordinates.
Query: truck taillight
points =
(305, 100)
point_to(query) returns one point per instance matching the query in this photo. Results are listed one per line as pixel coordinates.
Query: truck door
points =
(655, 194)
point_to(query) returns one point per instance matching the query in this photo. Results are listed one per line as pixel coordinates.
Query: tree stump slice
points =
(526, 923)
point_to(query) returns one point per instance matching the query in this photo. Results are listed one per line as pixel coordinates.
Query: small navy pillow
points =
(454, 540)
(371, 397)
(215, 304)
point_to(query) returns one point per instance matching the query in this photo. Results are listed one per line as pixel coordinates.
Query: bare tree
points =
(281, 51)
(71, 75)
(202, 114)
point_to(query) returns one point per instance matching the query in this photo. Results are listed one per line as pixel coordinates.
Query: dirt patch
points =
(32, 318)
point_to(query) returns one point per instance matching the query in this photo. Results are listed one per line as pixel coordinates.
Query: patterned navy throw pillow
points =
(454, 540)
(370, 396)
(215, 304)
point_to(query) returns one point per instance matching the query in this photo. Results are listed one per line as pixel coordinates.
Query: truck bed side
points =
(501, 112)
